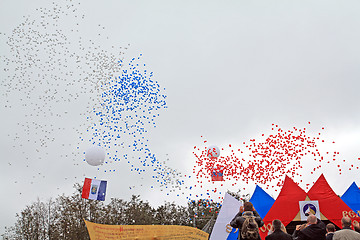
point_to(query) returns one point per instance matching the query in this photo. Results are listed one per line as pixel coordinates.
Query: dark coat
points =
(330, 236)
(312, 232)
(238, 221)
(278, 235)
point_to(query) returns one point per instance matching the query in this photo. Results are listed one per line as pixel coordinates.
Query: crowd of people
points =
(248, 221)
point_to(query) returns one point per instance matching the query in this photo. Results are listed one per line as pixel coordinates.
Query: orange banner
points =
(143, 232)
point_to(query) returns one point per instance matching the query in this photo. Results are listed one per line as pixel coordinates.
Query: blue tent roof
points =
(352, 197)
(262, 201)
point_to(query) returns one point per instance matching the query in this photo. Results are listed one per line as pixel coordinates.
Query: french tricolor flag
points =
(94, 189)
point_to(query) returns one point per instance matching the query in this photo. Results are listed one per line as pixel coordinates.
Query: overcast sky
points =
(229, 69)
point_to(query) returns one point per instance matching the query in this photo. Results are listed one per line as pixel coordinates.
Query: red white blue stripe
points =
(94, 189)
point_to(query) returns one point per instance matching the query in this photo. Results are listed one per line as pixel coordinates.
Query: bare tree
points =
(62, 218)
(115, 212)
(139, 212)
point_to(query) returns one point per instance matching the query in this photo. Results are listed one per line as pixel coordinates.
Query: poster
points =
(307, 207)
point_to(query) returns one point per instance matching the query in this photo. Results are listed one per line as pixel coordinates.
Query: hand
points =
(298, 227)
(241, 209)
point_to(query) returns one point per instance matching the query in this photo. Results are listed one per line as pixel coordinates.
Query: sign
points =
(307, 207)
(117, 232)
(222, 229)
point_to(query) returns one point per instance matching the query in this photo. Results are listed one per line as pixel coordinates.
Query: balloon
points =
(213, 152)
(95, 155)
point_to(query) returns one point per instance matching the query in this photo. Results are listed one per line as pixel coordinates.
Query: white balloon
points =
(213, 152)
(95, 155)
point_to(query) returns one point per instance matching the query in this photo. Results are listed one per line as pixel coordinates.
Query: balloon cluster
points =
(283, 152)
(204, 206)
(60, 81)
(129, 106)
(50, 67)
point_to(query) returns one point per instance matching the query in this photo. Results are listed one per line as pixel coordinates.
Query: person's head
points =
(330, 227)
(248, 206)
(276, 224)
(346, 222)
(311, 219)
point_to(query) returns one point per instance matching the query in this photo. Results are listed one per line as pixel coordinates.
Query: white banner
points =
(309, 206)
(229, 209)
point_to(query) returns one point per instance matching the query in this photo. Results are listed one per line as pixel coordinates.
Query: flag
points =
(94, 189)
(217, 176)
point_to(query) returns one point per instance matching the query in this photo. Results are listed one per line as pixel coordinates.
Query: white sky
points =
(230, 70)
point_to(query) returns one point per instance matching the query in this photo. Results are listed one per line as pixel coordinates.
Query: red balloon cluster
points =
(283, 152)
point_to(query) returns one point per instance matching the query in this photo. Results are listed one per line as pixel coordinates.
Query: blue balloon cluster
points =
(129, 106)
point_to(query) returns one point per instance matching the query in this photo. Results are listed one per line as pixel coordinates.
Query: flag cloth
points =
(94, 189)
(217, 175)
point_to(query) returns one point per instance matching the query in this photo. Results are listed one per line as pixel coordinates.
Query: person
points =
(278, 233)
(282, 229)
(245, 213)
(356, 225)
(330, 230)
(314, 230)
(346, 232)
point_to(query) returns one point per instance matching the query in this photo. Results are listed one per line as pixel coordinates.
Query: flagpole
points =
(90, 211)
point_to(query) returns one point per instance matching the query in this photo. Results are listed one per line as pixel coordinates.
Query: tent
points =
(286, 206)
(287, 209)
(352, 198)
(262, 201)
(331, 205)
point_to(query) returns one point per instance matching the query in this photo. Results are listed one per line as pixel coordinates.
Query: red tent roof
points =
(286, 206)
(331, 205)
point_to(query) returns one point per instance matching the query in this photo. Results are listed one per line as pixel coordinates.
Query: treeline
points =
(62, 218)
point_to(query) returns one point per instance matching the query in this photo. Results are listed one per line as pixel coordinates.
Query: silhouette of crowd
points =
(248, 221)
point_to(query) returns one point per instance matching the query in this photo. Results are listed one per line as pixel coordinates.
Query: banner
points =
(222, 228)
(144, 232)
(307, 207)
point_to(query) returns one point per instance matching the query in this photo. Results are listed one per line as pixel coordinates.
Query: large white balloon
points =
(95, 155)
(213, 152)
